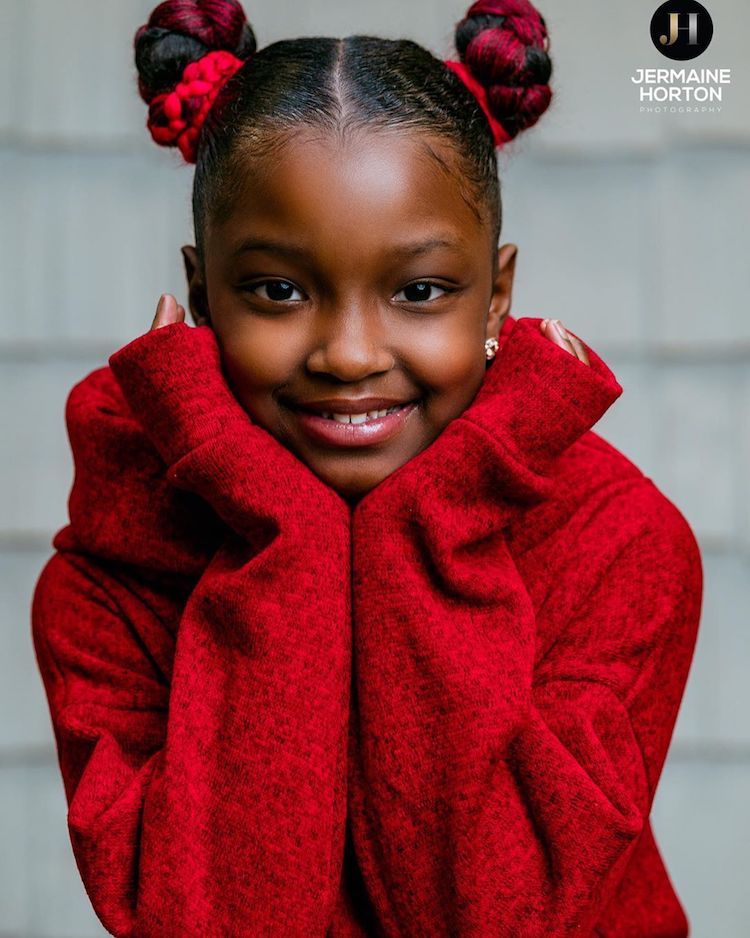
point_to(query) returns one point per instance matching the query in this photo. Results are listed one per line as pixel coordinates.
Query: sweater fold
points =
(535, 401)
(443, 711)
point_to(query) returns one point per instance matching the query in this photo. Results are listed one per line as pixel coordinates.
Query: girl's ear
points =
(197, 296)
(502, 289)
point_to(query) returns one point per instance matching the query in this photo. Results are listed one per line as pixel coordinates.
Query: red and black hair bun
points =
(209, 38)
(504, 44)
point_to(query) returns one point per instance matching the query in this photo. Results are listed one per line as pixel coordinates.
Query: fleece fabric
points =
(443, 711)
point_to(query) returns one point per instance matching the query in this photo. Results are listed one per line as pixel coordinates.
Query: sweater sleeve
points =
(200, 723)
(174, 383)
(493, 794)
(499, 788)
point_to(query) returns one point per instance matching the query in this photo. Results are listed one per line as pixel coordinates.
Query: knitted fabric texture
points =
(442, 712)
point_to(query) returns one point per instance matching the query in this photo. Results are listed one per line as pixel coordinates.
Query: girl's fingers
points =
(168, 311)
(554, 334)
(567, 341)
(580, 348)
(163, 311)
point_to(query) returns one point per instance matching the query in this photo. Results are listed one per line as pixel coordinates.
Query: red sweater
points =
(443, 712)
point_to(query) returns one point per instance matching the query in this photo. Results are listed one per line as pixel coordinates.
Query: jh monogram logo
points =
(681, 29)
(674, 30)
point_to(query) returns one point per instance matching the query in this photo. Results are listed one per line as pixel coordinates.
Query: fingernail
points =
(560, 328)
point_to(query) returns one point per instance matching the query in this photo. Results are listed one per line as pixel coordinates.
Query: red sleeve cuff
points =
(173, 381)
(538, 399)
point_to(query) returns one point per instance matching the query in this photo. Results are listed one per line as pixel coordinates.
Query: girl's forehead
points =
(375, 179)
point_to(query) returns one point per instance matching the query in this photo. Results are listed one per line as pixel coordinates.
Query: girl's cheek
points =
(262, 357)
(450, 367)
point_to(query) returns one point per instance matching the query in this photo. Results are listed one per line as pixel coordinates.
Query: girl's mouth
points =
(339, 429)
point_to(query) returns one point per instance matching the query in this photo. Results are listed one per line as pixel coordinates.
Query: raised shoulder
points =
(634, 496)
(605, 517)
(121, 505)
(96, 393)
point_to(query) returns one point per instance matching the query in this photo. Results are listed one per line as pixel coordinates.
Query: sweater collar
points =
(535, 400)
(540, 392)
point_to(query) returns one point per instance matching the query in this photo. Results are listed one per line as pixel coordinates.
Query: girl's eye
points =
(420, 291)
(278, 291)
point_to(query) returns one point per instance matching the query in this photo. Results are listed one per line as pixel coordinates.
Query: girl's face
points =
(351, 279)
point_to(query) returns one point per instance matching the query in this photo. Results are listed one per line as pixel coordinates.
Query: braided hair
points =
(211, 92)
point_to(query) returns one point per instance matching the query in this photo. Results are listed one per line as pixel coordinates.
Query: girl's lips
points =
(327, 430)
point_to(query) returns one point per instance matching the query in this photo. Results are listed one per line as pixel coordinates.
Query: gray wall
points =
(632, 228)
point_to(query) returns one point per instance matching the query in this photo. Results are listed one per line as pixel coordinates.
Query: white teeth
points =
(361, 418)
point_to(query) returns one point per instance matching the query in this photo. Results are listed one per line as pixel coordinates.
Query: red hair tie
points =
(500, 134)
(176, 117)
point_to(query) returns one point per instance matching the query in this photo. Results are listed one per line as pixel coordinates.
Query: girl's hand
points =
(167, 312)
(554, 330)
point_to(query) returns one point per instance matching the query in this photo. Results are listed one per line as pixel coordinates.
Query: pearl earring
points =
(490, 347)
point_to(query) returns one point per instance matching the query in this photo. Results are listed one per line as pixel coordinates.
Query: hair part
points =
(343, 86)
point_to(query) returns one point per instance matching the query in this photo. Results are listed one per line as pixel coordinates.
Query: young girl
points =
(357, 627)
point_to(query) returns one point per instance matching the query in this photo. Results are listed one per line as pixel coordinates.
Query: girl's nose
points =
(350, 346)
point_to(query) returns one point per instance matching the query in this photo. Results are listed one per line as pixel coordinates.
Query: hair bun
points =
(184, 54)
(504, 45)
(179, 32)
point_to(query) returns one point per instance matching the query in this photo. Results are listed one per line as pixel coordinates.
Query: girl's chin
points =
(353, 485)
(352, 490)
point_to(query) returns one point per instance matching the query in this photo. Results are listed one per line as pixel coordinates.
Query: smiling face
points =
(350, 272)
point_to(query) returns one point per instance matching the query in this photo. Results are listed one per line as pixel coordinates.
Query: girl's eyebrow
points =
(424, 247)
(413, 249)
